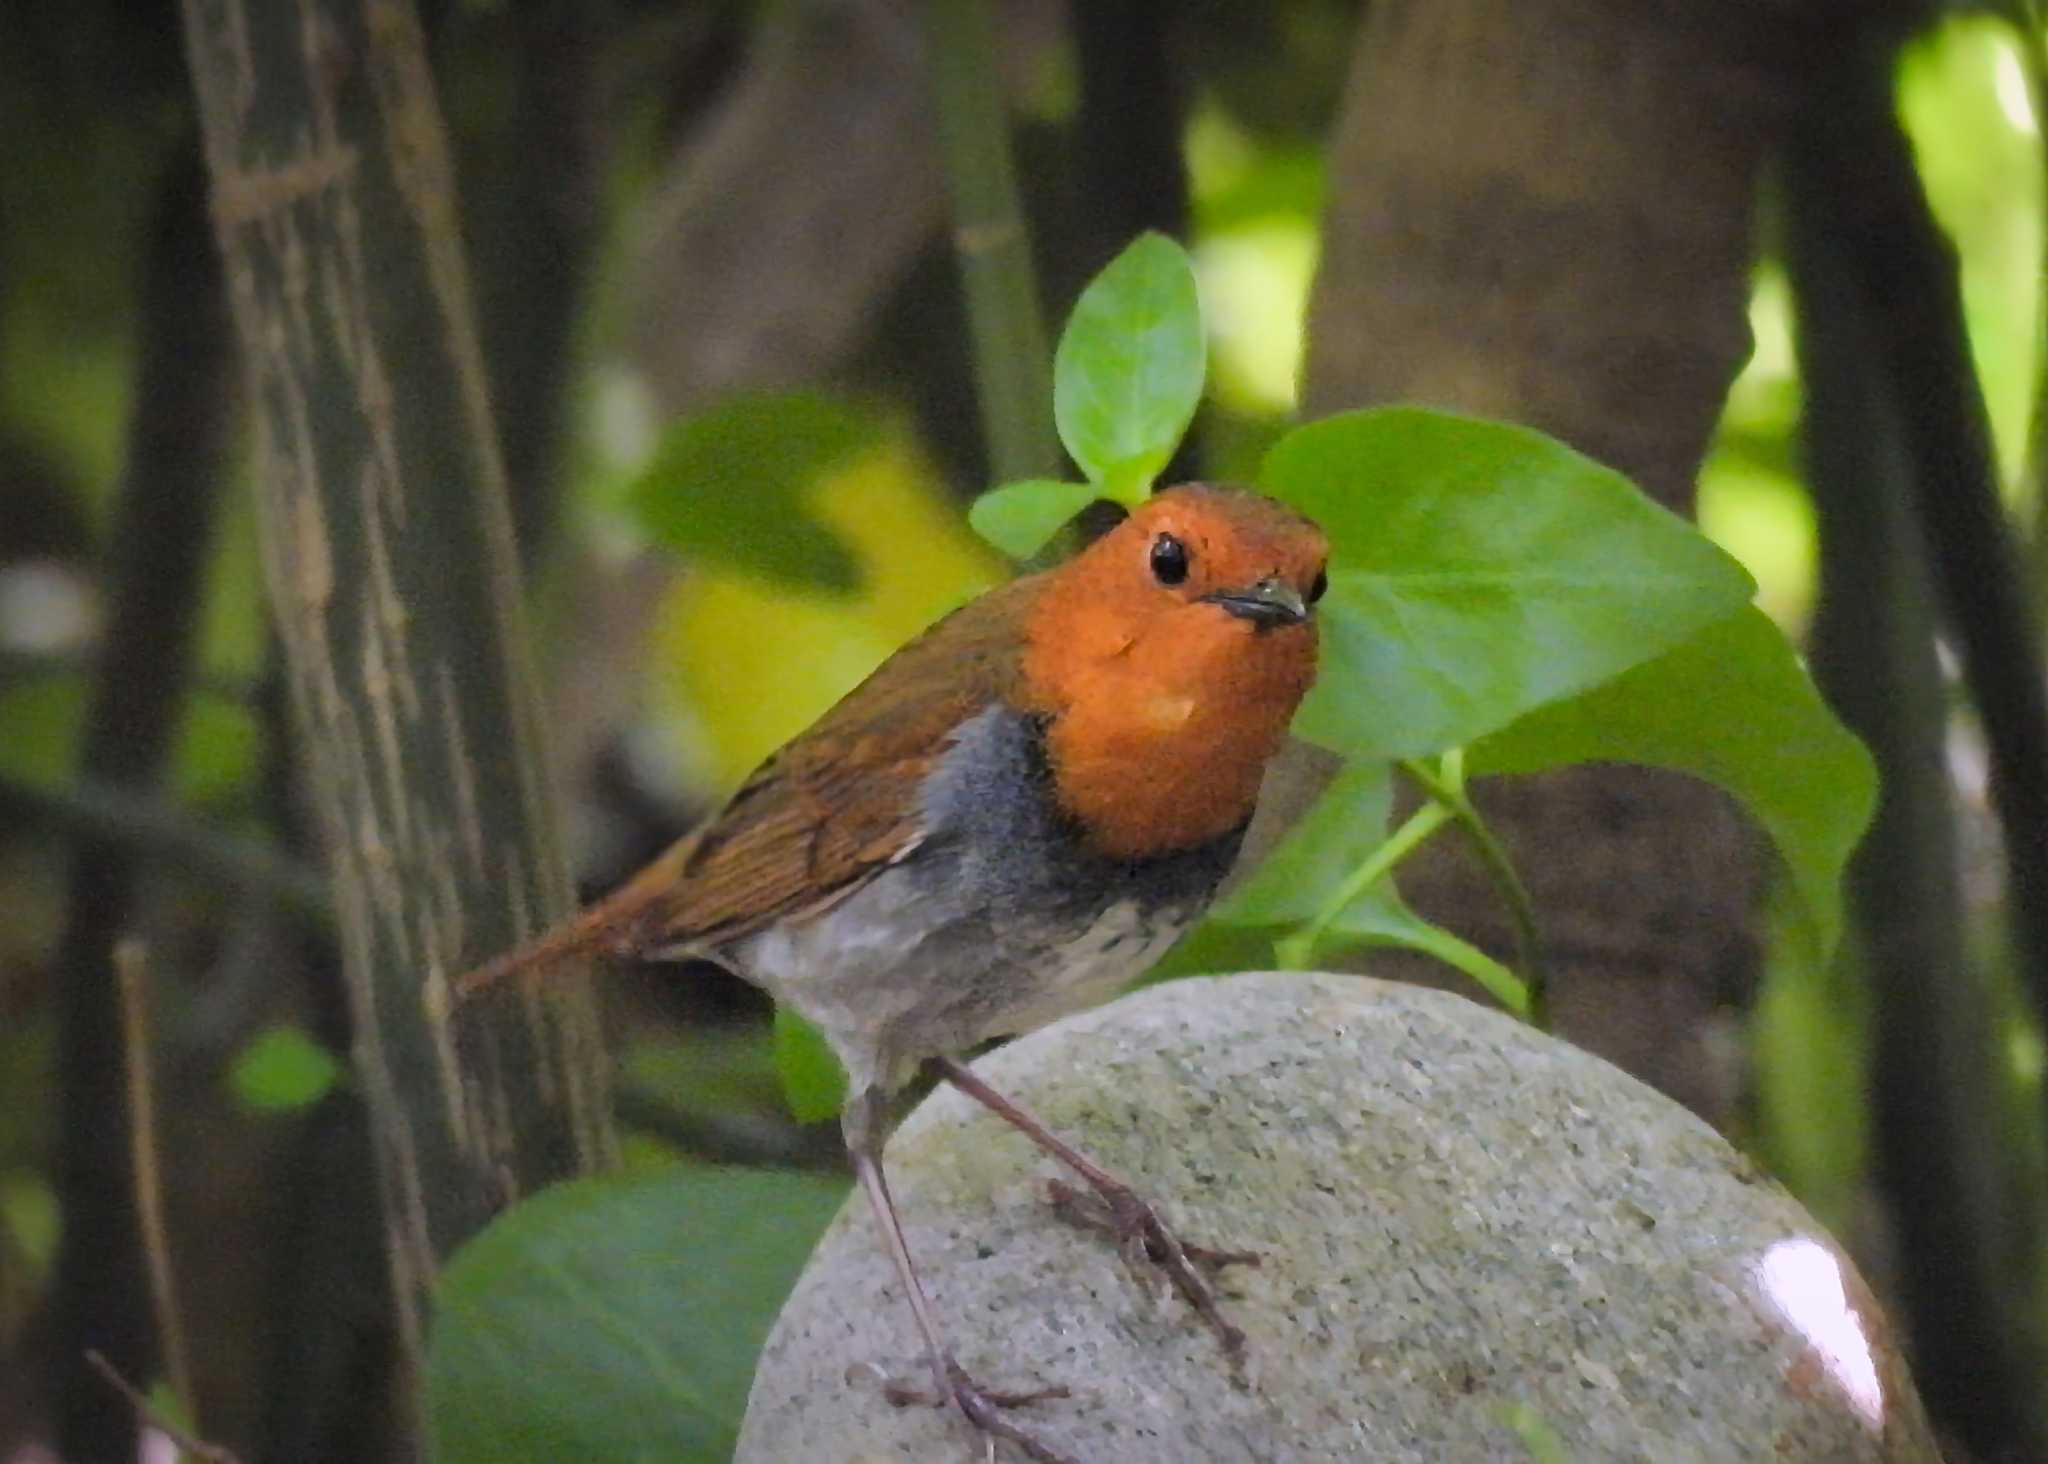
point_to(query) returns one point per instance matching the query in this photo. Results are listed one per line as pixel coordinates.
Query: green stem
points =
(2033, 51)
(1446, 788)
(1503, 985)
(1012, 368)
(1297, 951)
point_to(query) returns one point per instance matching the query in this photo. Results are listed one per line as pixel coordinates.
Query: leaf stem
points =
(1012, 367)
(1445, 785)
(1503, 985)
(1297, 951)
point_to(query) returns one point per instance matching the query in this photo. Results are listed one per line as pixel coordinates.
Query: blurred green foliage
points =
(281, 1069)
(731, 485)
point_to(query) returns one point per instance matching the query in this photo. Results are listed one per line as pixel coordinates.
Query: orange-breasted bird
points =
(1010, 819)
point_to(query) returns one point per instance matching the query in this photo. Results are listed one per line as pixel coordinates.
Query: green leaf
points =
(281, 1069)
(1337, 834)
(1477, 571)
(1809, 1047)
(812, 1079)
(1731, 705)
(617, 1318)
(1128, 373)
(731, 485)
(706, 1070)
(1130, 481)
(1302, 874)
(1021, 518)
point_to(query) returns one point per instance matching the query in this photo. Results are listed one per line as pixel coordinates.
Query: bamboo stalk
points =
(1012, 368)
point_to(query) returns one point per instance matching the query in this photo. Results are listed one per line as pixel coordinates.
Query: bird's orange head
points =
(1169, 657)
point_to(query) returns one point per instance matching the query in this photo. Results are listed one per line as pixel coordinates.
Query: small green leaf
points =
(1731, 705)
(1477, 571)
(812, 1079)
(617, 1318)
(731, 485)
(1128, 373)
(1021, 518)
(281, 1069)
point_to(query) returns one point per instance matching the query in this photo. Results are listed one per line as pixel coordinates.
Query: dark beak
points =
(1270, 602)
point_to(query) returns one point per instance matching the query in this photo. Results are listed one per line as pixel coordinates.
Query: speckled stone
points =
(1473, 1237)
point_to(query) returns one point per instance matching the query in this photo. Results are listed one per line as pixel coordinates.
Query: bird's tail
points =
(614, 926)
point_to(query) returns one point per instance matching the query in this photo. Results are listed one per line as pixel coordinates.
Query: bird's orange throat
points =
(1160, 731)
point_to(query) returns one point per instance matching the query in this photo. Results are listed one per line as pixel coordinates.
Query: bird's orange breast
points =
(1161, 747)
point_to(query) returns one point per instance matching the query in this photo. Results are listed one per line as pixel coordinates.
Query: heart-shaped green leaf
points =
(1021, 518)
(617, 1318)
(1128, 373)
(1477, 571)
(1731, 705)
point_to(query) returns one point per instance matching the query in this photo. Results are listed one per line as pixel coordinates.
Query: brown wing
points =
(816, 820)
(839, 803)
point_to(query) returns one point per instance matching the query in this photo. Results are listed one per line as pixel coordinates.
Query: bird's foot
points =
(983, 1407)
(1119, 1211)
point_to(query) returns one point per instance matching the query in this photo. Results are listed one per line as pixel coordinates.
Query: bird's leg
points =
(1123, 1212)
(983, 1406)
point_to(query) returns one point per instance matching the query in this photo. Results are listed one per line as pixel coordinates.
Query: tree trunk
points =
(1543, 211)
(1964, 1238)
(393, 580)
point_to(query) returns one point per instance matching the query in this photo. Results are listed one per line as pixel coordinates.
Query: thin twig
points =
(131, 969)
(147, 824)
(150, 1414)
(1012, 369)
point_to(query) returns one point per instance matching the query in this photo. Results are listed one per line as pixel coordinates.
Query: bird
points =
(1010, 819)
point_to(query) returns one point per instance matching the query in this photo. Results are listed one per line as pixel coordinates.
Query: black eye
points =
(1169, 560)
(1315, 591)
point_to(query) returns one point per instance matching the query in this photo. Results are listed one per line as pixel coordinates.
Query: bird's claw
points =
(1120, 1212)
(983, 1407)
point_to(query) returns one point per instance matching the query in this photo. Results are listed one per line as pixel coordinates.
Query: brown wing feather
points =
(838, 804)
(816, 820)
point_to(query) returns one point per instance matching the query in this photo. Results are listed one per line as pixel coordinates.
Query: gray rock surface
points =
(1474, 1239)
